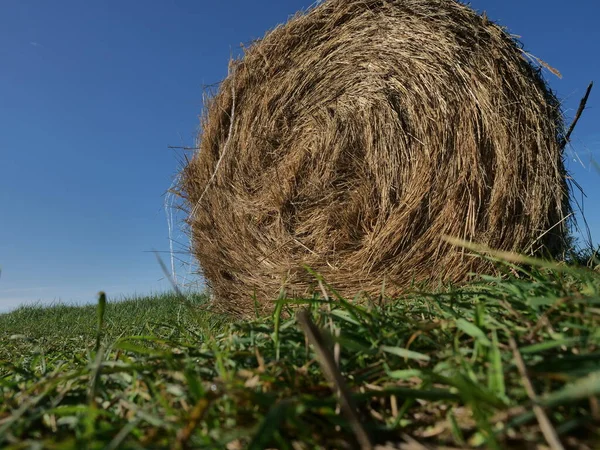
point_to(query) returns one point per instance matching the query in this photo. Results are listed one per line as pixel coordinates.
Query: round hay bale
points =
(355, 136)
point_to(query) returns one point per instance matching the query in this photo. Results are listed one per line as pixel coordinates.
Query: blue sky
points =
(92, 93)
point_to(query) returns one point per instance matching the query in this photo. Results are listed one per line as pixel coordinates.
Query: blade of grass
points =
(545, 425)
(332, 373)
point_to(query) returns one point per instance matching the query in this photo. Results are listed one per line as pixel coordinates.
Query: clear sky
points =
(92, 93)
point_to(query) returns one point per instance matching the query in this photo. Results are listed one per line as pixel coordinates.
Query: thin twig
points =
(545, 425)
(178, 147)
(332, 373)
(582, 104)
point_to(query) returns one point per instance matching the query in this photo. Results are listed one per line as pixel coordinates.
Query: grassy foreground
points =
(507, 362)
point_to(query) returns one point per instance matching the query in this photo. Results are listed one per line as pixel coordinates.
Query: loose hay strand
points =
(225, 148)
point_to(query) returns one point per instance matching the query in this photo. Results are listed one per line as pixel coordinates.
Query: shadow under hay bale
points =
(352, 138)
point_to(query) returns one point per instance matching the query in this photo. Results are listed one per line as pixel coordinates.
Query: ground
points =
(506, 361)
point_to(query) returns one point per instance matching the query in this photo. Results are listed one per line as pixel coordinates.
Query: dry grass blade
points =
(225, 146)
(195, 416)
(332, 373)
(545, 425)
(582, 104)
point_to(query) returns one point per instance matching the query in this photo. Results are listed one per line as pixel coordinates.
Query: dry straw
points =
(355, 136)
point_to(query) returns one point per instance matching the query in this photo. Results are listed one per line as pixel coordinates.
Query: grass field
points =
(504, 362)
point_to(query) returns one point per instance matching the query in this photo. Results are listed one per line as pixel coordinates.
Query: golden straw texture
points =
(352, 138)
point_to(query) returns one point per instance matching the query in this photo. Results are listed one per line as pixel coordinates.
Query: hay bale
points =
(352, 138)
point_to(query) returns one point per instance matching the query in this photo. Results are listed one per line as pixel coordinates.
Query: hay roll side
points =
(352, 138)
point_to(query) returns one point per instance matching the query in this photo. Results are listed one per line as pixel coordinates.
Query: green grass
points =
(441, 368)
(46, 329)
